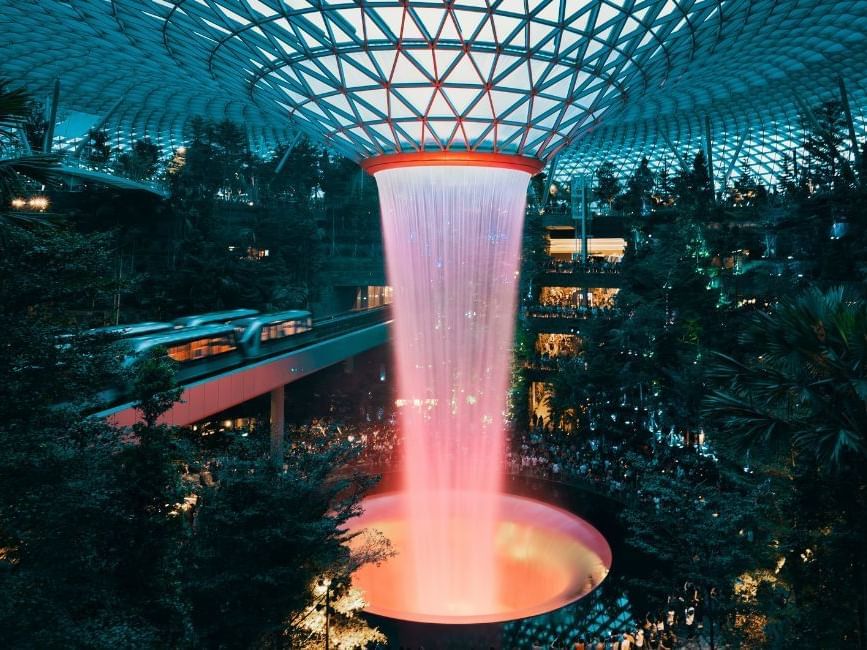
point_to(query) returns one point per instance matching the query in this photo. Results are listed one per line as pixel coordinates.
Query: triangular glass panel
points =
(384, 133)
(445, 58)
(519, 113)
(440, 107)
(411, 31)
(468, 22)
(377, 99)
(385, 60)
(542, 105)
(363, 63)
(505, 26)
(418, 98)
(504, 101)
(484, 62)
(461, 98)
(475, 133)
(406, 71)
(372, 32)
(449, 30)
(390, 18)
(463, 72)
(485, 34)
(429, 19)
(424, 59)
(518, 78)
(550, 10)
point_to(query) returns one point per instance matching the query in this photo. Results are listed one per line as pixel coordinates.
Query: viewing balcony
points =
(596, 272)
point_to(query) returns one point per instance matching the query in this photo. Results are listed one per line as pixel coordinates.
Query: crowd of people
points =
(679, 624)
(592, 265)
(375, 435)
(544, 451)
(565, 311)
(539, 454)
(545, 361)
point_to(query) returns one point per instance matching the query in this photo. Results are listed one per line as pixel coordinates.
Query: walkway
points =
(70, 167)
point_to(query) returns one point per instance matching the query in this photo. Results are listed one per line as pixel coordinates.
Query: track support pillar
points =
(278, 425)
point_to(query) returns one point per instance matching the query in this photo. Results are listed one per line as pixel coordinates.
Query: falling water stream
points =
(466, 552)
(453, 237)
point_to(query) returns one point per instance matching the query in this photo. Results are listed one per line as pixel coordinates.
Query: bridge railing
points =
(69, 161)
(328, 326)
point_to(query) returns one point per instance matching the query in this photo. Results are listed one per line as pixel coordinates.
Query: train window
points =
(201, 348)
(284, 329)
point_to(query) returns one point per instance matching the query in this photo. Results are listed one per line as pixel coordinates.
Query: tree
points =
(154, 389)
(299, 176)
(697, 523)
(695, 192)
(35, 126)
(636, 200)
(60, 552)
(747, 191)
(140, 162)
(802, 380)
(264, 537)
(825, 129)
(153, 500)
(97, 150)
(607, 184)
(795, 399)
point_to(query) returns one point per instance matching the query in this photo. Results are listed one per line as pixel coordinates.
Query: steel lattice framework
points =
(576, 80)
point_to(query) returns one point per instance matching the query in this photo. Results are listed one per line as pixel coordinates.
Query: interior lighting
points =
(38, 203)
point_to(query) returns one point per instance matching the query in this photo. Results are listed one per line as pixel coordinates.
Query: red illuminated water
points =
(544, 558)
(452, 237)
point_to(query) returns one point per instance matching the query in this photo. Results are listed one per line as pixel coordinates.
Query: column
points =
(277, 425)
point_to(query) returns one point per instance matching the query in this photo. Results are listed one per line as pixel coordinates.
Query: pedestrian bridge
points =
(81, 172)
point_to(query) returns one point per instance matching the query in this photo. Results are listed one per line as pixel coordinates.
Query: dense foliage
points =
(739, 328)
(143, 537)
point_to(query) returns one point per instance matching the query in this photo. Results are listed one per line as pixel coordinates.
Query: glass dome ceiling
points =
(589, 79)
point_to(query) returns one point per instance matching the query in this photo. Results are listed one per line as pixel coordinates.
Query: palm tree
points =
(14, 168)
(802, 383)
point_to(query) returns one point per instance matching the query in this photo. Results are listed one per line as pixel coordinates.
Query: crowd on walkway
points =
(565, 311)
(679, 624)
(544, 451)
(375, 435)
(592, 265)
(539, 454)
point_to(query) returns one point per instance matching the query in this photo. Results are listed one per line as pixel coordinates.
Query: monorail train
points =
(207, 344)
(267, 334)
(197, 351)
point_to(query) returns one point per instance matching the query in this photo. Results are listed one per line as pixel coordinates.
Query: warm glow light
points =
(612, 247)
(544, 558)
(38, 203)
